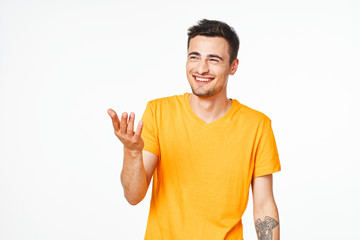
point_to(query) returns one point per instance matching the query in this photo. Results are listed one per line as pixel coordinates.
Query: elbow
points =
(134, 200)
(134, 193)
(133, 203)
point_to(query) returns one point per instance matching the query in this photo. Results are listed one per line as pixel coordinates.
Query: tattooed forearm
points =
(264, 229)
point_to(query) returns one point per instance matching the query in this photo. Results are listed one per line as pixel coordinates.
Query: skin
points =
(264, 205)
(138, 165)
(208, 58)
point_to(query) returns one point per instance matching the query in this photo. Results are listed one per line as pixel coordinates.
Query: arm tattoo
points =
(264, 229)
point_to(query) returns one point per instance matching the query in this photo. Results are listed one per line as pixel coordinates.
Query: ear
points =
(234, 66)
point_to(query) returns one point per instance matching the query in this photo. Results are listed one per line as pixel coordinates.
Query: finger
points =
(111, 112)
(123, 123)
(115, 119)
(139, 129)
(130, 127)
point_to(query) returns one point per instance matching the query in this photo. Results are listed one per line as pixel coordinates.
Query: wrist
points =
(132, 152)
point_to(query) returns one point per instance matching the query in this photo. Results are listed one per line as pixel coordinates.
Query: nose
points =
(203, 67)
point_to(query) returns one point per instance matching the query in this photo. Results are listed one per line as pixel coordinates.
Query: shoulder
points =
(251, 114)
(167, 101)
(166, 108)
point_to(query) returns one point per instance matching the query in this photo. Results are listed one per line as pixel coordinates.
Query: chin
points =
(203, 94)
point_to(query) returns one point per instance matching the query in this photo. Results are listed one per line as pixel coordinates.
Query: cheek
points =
(217, 70)
(221, 71)
(190, 66)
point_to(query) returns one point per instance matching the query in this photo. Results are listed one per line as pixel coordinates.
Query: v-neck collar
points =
(213, 123)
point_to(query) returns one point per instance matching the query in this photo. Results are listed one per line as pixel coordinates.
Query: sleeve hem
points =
(152, 150)
(267, 172)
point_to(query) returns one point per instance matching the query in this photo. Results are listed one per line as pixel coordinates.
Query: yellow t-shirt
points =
(201, 184)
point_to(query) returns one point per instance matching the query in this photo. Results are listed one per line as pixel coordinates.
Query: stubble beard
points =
(201, 94)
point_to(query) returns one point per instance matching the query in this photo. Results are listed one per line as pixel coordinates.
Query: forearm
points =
(266, 218)
(133, 176)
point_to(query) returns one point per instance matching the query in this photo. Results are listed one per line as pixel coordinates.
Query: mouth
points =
(200, 79)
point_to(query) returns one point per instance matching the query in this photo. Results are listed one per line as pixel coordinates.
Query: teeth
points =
(203, 79)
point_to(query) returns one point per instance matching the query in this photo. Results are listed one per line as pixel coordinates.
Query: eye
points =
(215, 60)
(193, 57)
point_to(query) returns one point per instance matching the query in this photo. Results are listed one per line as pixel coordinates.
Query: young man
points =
(203, 149)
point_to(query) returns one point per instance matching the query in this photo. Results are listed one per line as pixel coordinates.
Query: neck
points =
(209, 109)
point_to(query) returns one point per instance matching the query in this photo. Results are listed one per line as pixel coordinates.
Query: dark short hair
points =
(213, 28)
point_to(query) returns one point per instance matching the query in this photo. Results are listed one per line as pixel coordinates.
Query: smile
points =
(202, 79)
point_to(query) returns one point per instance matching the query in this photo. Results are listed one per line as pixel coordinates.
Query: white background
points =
(64, 63)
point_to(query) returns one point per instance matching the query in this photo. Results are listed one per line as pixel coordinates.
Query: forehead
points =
(209, 45)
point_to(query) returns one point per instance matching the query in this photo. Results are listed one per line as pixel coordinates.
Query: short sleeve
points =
(149, 132)
(266, 158)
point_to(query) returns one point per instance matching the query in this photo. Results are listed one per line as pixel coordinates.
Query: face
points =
(208, 66)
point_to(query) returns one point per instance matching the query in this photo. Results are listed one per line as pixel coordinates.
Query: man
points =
(203, 149)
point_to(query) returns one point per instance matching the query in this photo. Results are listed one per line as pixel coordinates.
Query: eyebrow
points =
(209, 55)
(194, 53)
(215, 56)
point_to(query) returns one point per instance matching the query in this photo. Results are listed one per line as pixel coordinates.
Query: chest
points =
(222, 152)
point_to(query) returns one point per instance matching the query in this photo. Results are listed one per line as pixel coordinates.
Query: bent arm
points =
(138, 165)
(266, 216)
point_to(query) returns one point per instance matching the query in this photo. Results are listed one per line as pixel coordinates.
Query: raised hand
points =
(124, 130)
